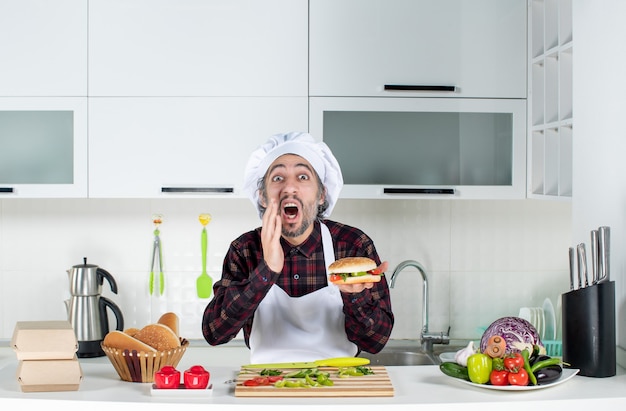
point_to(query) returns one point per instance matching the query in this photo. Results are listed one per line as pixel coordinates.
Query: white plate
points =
(550, 317)
(568, 373)
(181, 392)
(447, 356)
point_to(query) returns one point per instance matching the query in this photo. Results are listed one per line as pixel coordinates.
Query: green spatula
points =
(204, 282)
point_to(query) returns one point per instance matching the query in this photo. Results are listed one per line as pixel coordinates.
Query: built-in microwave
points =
(425, 147)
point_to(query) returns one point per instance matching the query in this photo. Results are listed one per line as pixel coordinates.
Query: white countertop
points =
(416, 387)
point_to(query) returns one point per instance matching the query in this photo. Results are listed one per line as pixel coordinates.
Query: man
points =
(274, 282)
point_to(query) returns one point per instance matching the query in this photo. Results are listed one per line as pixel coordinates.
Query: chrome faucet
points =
(427, 339)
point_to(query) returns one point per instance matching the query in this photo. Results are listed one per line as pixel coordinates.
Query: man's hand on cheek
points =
(270, 238)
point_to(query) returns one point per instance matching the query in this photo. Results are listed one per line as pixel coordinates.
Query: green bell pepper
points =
(479, 368)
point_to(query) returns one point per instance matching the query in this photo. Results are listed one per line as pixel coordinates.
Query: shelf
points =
(550, 99)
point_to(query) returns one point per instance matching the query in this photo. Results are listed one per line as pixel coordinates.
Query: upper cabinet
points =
(43, 45)
(424, 48)
(198, 47)
(151, 147)
(550, 118)
(43, 147)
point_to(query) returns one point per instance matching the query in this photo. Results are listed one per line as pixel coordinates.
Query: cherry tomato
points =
(518, 378)
(514, 363)
(499, 377)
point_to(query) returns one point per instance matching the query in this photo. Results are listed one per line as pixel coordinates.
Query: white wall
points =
(600, 135)
(485, 259)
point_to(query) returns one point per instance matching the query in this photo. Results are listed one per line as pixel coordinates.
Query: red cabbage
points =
(517, 332)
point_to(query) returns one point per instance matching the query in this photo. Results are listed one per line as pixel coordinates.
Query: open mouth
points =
(290, 210)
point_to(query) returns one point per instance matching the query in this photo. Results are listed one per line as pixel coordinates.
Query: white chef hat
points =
(302, 144)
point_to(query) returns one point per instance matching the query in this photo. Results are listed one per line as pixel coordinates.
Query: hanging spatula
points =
(204, 283)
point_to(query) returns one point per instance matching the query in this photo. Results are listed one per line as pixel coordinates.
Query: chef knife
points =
(594, 256)
(582, 265)
(604, 243)
(329, 362)
(572, 265)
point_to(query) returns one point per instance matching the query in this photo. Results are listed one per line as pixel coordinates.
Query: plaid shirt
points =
(246, 279)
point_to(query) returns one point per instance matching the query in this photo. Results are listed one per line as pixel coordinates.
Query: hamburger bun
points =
(170, 320)
(123, 341)
(131, 331)
(158, 336)
(340, 271)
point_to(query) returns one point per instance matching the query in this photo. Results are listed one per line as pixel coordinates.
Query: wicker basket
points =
(140, 366)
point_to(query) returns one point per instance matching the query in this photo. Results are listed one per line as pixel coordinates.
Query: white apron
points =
(307, 328)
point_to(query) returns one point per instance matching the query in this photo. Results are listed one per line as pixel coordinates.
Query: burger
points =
(354, 270)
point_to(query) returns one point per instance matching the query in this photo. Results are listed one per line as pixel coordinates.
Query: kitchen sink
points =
(393, 358)
(408, 354)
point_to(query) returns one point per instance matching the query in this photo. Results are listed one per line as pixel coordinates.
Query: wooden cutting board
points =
(375, 385)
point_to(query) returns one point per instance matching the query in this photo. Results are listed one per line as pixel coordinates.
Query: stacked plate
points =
(544, 319)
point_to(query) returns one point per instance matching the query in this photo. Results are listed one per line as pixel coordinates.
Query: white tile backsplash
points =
(484, 259)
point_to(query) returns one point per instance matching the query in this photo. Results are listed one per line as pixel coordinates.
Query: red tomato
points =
(274, 378)
(514, 363)
(499, 377)
(518, 378)
(256, 381)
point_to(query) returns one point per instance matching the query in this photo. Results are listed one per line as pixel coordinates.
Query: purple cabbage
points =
(517, 332)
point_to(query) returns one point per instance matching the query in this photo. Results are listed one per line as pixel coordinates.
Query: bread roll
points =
(171, 320)
(131, 331)
(158, 336)
(123, 341)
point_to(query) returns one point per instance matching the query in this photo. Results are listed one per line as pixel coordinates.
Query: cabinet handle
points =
(6, 189)
(409, 87)
(418, 190)
(197, 189)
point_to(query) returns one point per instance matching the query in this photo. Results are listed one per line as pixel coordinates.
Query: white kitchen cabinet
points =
(550, 102)
(43, 45)
(408, 148)
(180, 147)
(470, 48)
(43, 147)
(198, 47)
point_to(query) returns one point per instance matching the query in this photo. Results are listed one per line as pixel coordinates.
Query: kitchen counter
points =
(416, 387)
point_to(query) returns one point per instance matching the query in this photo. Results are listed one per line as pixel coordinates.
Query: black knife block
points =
(589, 341)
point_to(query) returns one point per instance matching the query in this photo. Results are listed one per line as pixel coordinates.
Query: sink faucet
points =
(427, 338)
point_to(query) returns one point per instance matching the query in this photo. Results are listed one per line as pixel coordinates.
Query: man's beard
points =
(309, 216)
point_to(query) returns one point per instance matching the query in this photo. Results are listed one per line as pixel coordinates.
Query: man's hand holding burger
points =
(354, 274)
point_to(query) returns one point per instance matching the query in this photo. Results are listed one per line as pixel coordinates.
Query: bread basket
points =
(140, 366)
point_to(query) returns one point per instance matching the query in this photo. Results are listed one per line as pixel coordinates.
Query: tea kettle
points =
(87, 309)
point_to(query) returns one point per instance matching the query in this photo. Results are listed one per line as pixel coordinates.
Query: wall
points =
(485, 259)
(599, 137)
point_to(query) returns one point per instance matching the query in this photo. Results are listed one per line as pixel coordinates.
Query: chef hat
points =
(318, 154)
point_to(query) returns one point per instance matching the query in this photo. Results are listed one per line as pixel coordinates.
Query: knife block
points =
(589, 341)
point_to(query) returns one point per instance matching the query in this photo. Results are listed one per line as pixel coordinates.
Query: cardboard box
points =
(49, 375)
(44, 340)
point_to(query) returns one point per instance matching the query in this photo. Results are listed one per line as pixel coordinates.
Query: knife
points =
(329, 362)
(572, 265)
(604, 234)
(594, 256)
(582, 265)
